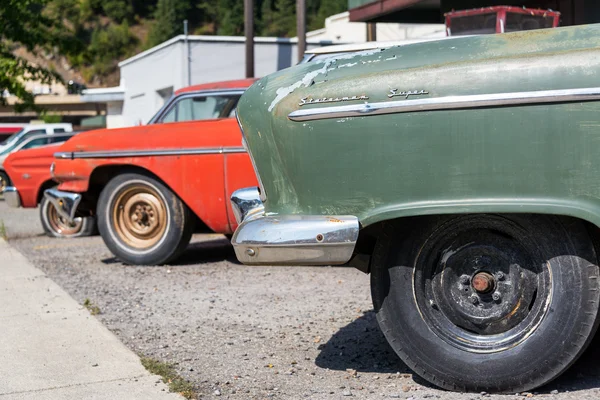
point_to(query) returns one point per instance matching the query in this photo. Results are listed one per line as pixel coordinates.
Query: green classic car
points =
(463, 175)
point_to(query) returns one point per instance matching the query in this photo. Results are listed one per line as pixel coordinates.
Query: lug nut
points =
(474, 299)
(500, 275)
(464, 279)
(496, 296)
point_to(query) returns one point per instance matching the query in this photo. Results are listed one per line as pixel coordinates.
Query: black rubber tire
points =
(564, 331)
(88, 225)
(4, 180)
(173, 242)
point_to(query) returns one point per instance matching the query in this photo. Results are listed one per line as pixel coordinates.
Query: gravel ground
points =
(244, 332)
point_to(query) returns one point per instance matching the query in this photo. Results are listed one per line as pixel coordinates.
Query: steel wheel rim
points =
(3, 183)
(496, 306)
(61, 225)
(139, 216)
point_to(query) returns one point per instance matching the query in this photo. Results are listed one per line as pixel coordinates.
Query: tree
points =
(24, 23)
(118, 10)
(326, 9)
(168, 20)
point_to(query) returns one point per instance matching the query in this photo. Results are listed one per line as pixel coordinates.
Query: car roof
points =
(43, 126)
(235, 84)
(345, 48)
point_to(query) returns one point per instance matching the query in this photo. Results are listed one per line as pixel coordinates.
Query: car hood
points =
(104, 139)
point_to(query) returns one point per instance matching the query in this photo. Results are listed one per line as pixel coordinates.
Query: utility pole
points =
(249, 32)
(371, 32)
(301, 27)
(188, 57)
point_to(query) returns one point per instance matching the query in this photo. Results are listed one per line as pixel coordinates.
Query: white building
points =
(148, 79)
(338, 28)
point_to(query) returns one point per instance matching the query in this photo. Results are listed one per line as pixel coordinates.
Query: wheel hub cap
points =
(480, 285)
(140, 216)
(483, 282)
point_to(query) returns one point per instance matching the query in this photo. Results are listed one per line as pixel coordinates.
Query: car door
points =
(204, 126)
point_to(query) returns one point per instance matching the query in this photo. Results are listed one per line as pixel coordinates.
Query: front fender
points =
(587, 210)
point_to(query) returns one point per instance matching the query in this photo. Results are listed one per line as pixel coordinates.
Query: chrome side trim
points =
(148, 153)
(447, 103)
(290, 239)
(11, 197)
(66, 203)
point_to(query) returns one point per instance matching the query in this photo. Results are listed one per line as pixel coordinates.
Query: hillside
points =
(107, 31)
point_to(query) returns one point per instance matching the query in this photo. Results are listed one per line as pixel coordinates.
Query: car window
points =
(171, 115)
(35, 143)
(58, 139)
(202, 108)
(59, 130)
(33, 132)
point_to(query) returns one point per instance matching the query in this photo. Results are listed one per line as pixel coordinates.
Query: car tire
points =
(142, 221)
(4, 181)
(56, 226)
(494, 303)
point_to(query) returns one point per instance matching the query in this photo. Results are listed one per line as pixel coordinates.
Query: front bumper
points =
(11, 196)
(66, 203)
(289, 239)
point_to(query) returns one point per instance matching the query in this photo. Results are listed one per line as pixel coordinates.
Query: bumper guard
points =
(66, 203)
(11, 196)
(289, 239)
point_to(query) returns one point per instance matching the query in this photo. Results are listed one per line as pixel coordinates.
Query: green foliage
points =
(326, 9)
(51, 118)
(24, 23)
(168, 20)
(176, 383)
(109, 45)
(230, 17)
(95, 34)
(118, 10)
(92, 308)
(282, 18)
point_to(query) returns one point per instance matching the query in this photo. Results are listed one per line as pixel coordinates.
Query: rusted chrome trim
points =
(66, 203)
(289, 239)
(448, 103)
(148, 153)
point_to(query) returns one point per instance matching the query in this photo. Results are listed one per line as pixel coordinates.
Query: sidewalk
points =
(52, 348)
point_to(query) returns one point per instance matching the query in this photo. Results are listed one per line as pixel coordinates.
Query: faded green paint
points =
(537, 158)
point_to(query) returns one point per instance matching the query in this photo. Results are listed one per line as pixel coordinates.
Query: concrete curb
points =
(52, 348)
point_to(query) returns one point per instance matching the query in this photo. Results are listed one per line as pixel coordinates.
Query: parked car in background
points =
(29, 172)
(499, 19)
(34, 129)
(462, 175)
(147, 185)
(7, 129)
(29, 141)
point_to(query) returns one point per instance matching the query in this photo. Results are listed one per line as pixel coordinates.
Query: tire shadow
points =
(206, 252)
(361, 346)
(197, 253)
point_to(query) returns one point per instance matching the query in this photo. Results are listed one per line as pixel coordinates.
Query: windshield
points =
(14, 136)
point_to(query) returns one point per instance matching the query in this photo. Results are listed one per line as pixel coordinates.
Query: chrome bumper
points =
(66, 203)
(11, 196)
(289, 239)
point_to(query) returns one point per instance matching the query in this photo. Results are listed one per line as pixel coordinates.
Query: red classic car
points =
(29, 171)
(148, 185)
